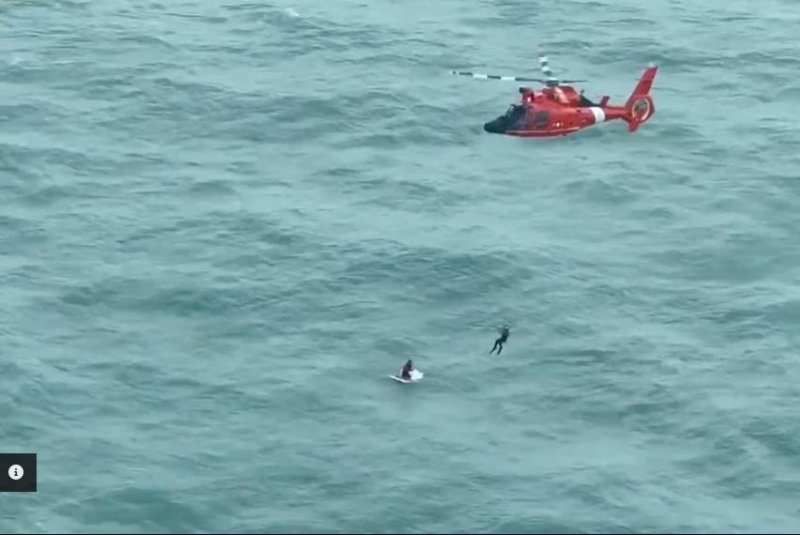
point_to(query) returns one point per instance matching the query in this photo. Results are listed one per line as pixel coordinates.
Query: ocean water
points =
(224, 224)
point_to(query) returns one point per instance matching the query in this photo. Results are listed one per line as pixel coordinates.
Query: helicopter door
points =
(541, 119)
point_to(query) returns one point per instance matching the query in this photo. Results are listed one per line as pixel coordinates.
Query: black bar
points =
(18, 472)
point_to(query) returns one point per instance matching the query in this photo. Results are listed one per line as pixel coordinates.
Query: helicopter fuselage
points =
(552, 111)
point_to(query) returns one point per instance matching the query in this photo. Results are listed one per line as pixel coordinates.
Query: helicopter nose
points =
(496, 126)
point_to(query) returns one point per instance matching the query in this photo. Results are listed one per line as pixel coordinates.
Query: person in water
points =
(498, 344)
(406, 373)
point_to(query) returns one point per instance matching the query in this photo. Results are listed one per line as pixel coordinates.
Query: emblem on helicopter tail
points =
(641, 109)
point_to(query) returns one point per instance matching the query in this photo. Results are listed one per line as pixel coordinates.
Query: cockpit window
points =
(515, 112)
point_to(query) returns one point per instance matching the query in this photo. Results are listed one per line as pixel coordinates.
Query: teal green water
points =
(225, 223)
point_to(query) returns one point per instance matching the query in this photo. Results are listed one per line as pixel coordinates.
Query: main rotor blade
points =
(544, 65)
(480, 76)
(552, 81)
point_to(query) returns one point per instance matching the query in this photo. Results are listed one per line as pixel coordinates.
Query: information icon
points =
(15, 472)
(21, 470)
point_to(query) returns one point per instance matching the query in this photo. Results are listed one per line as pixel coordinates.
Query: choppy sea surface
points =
(224, 224)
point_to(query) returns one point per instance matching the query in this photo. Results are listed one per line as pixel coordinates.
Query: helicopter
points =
(560, 110)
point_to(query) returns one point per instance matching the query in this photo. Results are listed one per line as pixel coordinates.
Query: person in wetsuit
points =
(406, 373)
(498, 344)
